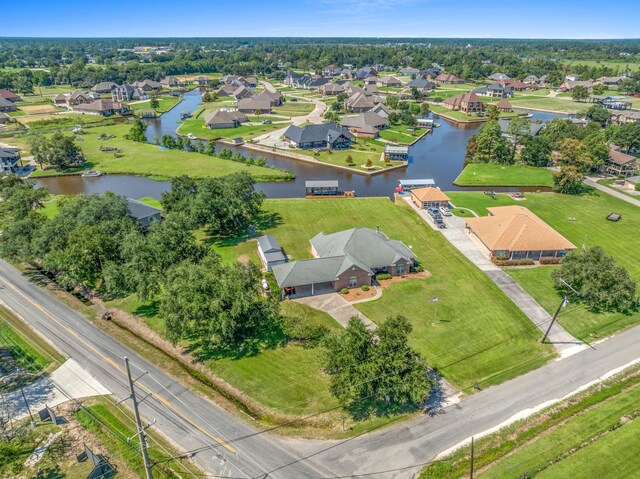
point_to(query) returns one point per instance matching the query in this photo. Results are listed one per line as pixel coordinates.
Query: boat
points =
(191, 136)
(91, 174)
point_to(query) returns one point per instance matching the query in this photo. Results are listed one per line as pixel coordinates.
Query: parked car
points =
(445, 211)
(266, 122)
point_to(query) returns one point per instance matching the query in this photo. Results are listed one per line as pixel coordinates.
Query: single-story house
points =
(326, 135)
(467, 102)
(170, 82)
(409, 71)
(421, 84)
(372, 80)
(331, 71)
(534, 128)
(347, 259)
(610, 81)
(148, 85)
(224, 119)
(270, 252)
(9, 95)
(201, 81)
(448, 79)
(632, 182)
(366, 124)
(242, 92)
(504, 105)
(102, 107)
(104, 87)
(331, 89)
(143, 213)
(570, 85)
(253, 105)
(531, 80)
(361, 101)
(226, 90)
(9, 159)
(4, 118)
(625, 116)
(620, 164)
(274, 97)
(499, 77)
(389, 81)
(515, 232)
(429, 197)
(6, 105)
(515, 85)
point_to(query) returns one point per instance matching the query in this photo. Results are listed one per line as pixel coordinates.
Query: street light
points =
(564, 303)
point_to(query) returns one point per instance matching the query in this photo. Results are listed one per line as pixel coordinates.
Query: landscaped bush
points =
(364, 287)
(418, 269)
(512, 262)
(344, 291)
(550, 260)
(383, 276)
(637, 187)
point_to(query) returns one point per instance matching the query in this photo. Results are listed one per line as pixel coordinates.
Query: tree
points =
(368, 370)
(573, 153)
(602, 283)
(392, 101)
(348, 159)
(580, 93)
(489, 146)
(519, 130)
(626, 136)
(597, 89)
(59, 151)
(206, 97)
(599, 114)
(154, 103)
(424, 109)
(493, 113)
(257, 113)
(136, 133)
(536, 152)
(596, 148)
(568, 180)
(336, 106)
(369, 163)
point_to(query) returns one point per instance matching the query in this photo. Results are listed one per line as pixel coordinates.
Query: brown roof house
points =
(504, 105)
(570, 85)
(9, 95)
(515, 232)
(224, 119)
(331, 89)
(6, 105)
(102, 107)
(389, 81)
(429, 197)
(366, 125)
(620, 164)
(448, 79)
(253, 105)
(467, 102)
(104, 87)
(346, 259)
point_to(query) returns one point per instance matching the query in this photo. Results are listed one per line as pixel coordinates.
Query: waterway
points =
(438, 155)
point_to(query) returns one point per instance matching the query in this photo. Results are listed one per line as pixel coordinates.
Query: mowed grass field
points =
(148, 160)
(488, 174)
(196, 127)
(590, 435)
(474, 334)
(298, 108)
(165, 103)
(580, 219)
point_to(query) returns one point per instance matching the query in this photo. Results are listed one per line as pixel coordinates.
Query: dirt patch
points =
(38, 109)
(243, 258)
(357, 294)
(385, 283)
(33, 118)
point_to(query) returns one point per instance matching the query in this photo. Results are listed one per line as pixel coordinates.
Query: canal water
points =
(438, 155)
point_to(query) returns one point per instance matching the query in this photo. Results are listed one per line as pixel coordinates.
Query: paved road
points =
(611, 191)
(191, 421)
(455, 233)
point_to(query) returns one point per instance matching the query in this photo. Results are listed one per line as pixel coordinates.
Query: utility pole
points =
(553, 320)
(33, 423)
(141, 430)
(471, 472)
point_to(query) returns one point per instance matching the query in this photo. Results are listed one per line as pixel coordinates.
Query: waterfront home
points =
(466, 102)
(366, 125)
(147, 85)
(170, 82)
(270, 252)
(143, 213)
(127, 92)
(494, 91)
(504, 105)
(531, 80)
(6, 105)
(534, 128)
(9, 95)
(201, 81)
(620, 164)
(515, 232)
(9, 159)
(242, 92)
(625, 116)
(254, 105)
(324, 136)
(346, 259)
(610, 81)
(104, 87)
(226, 91)
(102, 107)
(569, 85)
(429, 197)
(389, 81)
(448, 79)
(224, 119)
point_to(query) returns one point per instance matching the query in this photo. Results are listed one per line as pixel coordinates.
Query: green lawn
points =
(551, 104)
(496, 343)
(489, 174)
(196, 127)
(165, 103)
(456, 115)
(588, 225)
(400, 134)
(298, 108)
(148, 160)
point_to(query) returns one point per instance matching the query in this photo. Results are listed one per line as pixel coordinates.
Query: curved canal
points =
(438, 155)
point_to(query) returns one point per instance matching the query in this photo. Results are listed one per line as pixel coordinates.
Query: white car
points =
(445, 211)
(265, 285)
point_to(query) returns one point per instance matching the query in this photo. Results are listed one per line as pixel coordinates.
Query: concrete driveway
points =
(337, 307)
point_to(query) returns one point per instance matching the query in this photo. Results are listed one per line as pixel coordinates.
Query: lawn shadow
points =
(148, 310)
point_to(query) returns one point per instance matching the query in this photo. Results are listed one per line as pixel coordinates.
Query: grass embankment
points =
(580, 219)
(402, 134)
(165, 103)
(28, 349)
(196, 127)
(558, 105)
(489, 174)
(146, 159)
(589, 435)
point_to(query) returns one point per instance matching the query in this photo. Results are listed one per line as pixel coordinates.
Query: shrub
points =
(418, 269)
(550, 260)
(364, 287)
(638, 187)
(383, 276)
(512, 262)
(344, 291)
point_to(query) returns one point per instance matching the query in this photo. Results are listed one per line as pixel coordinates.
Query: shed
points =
(270, 251)
(429, 197)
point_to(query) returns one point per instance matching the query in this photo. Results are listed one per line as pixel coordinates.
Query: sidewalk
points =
(337, 307)
(455, 233)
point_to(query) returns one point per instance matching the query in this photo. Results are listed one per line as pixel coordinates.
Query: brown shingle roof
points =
(504, 105)
(516, 228)
(618, 157)
(429, 194)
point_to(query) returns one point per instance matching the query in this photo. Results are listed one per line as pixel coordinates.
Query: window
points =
(353, 281)
(400, 268)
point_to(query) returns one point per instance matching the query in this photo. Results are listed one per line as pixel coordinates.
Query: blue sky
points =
(332, 18)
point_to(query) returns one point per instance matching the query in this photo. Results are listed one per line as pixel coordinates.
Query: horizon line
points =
(318, 37)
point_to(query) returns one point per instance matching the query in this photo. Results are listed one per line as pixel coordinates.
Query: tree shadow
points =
(264, 221)
(148, 310)
(52, 472)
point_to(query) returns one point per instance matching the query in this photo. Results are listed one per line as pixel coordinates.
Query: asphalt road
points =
(192, 422)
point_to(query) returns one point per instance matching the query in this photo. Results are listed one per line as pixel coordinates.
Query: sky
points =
(323, 18)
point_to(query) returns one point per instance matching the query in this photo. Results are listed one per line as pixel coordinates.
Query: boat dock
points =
(325, 189)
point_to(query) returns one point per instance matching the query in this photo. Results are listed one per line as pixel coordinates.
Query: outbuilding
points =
(429, 197)
(270, 252)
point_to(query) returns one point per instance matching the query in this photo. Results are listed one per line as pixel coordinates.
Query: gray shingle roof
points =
(316, 133)
(139, 210)
(268, 244)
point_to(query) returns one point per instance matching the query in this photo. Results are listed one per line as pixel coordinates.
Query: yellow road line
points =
(116, 366)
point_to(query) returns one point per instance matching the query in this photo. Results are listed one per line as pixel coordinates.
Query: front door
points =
(353, 281)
